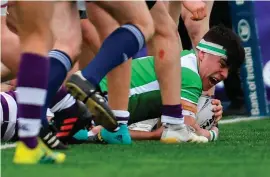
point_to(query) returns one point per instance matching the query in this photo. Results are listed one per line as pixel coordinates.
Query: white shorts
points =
(4, 7)
(81, 5)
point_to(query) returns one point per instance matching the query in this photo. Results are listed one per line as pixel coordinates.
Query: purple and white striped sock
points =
(121, 116)
(172, 114)
(8, 112)
(31, 95)
(62, 100)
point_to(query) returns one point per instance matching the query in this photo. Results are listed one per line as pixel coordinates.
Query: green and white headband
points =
(212, 48)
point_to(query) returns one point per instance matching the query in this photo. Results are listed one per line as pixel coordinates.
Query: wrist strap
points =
(213, 135)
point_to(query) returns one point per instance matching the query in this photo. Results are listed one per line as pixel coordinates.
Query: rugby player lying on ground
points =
(219, 51)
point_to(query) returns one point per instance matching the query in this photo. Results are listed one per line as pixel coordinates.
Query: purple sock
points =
(60, 95)
(62, 101)
(31, 95)
(172, 114)
(60, 64)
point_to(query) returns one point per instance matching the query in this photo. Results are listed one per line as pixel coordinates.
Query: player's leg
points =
(36, 40)
(118, 83)
(90, 44)
(70, 116)
(67, 33)
(104, 25)
(130, 38)
(10, 45)
(166, 47)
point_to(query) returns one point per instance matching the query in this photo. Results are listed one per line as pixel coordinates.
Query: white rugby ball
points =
(205, 115)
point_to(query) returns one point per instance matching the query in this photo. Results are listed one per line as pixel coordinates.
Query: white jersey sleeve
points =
(4, 4)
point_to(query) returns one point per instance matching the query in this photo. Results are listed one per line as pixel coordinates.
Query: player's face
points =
(212, 70)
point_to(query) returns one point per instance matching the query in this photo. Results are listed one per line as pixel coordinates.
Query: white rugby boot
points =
(179, 133)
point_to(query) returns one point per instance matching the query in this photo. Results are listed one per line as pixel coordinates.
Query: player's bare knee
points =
(164, 24)
(147, 27)
(90, 36)
(131, 12)
(68, 38)
(167, 29)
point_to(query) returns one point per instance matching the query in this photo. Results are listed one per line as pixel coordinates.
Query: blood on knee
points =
(161, 54)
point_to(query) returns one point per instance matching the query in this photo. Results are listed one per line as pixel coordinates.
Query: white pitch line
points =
(8, 146)
(240, 119)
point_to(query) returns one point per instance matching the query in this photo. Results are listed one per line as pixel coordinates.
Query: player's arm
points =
(189, 112)
(144, 135)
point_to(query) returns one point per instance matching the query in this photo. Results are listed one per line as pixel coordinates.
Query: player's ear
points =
(201, 55)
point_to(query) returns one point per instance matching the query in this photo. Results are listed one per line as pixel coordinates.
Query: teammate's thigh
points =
(90, 35)
(11, 18)
(163, 22)
(196, 29)
(174, 8)
(34, 20)
(166, 36)
(104, 23)
(10, 47)
(66, 28)
(90, 45)
(166, 47)
(134, 12)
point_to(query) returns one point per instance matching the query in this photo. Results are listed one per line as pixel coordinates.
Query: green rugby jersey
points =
(145, 99)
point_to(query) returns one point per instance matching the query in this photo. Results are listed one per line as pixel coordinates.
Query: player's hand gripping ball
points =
(205, 116)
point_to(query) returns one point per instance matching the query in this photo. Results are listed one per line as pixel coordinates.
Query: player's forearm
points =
(211, 135)
(142, 135)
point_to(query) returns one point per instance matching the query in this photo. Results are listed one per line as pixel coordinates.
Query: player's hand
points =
(196, 8)
(157, 133)
(217, 109)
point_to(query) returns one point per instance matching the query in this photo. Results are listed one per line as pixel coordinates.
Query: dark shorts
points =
(150, 4)
(83, 14)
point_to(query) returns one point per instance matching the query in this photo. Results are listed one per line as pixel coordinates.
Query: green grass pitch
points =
(243, 150)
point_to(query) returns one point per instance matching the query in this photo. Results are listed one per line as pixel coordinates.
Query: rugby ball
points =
(205, 115)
